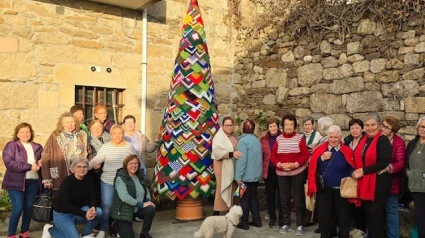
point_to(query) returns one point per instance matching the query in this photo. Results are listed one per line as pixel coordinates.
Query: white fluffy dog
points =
(220, 224)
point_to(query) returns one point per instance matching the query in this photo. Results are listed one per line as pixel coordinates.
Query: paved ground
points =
(165, 226)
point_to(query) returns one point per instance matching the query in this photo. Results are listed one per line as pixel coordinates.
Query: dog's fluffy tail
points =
(198, 233)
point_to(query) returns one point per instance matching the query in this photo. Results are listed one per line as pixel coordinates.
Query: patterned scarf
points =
(96, 143)
(72, 148)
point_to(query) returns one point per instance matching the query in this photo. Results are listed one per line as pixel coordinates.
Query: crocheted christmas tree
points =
(184, 165)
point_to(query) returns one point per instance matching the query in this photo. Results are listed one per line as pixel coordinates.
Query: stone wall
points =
(372, 70)
(46, 49)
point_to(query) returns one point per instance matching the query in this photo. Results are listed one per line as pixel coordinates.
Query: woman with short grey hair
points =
(415, 167)
(76, 204)
(373, 154)
(323, 125)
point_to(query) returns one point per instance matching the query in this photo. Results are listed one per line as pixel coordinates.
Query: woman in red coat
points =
(269, 170)
(390, 126)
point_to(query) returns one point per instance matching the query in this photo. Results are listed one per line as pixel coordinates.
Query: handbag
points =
(320, 182)
(348, 187)
(310, 201)
(42, 209)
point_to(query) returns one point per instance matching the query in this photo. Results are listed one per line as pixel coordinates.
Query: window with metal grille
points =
(88, 97)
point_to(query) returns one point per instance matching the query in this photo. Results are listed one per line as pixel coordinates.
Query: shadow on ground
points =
(165, 226)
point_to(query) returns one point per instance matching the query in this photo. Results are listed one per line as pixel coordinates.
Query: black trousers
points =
(296, 185)
(272, 188)
(249, 202)
(359, 217)
(125, 228)
(419, 200)
(332, 205)
(375, 210)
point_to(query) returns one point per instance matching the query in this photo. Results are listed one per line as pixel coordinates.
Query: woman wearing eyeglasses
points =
(415, 171)
(390, 126)
(224, 154)
(76, 203)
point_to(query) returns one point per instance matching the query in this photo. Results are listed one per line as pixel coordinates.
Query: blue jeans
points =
(64, 224)
(22, 202)
(391, 210)
(107, 195)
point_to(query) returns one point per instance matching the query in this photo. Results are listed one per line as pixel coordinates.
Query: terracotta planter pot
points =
(189, 209)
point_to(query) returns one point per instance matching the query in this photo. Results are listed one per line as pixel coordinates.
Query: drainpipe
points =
(144, 68)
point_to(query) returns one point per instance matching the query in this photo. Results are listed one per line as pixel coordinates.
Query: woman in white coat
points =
(223, 154)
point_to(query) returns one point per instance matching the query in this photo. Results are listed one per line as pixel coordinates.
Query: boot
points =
(272, 222)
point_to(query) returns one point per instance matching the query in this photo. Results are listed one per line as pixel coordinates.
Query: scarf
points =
(96, 143)
(366, 185)
(311, 135)
(72, 147)
(312, 170)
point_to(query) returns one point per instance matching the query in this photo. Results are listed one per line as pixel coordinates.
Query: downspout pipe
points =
(144, 69)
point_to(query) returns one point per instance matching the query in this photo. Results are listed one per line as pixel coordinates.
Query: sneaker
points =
(285, 229)
(24, 235)
(101, 234)
(145, 235)
(272, 222)
(46, 233)
(358, 234)
(88, 236)
(300, 231)
(267, 217)
(112, 232)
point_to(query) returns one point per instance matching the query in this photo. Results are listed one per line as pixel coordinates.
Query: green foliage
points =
(5, 203)
(261, 121)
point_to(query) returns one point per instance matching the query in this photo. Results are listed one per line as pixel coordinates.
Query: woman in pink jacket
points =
(390, 126)
(269, 171)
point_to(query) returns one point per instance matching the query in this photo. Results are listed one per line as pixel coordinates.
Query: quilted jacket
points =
(397, 162)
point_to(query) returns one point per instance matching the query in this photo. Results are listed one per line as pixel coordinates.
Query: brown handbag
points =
(348, 187)
(310, 201)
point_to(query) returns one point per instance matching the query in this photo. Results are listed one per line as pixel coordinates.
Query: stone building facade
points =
(47, 49)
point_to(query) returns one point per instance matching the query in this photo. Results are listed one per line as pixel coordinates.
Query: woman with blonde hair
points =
(101, 114)
(112, 154)
(65, 145)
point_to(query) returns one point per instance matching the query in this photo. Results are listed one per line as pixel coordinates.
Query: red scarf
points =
(312, 169)
(366, 184)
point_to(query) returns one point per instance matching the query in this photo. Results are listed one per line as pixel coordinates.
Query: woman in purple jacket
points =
(390, 126)
(22, 179)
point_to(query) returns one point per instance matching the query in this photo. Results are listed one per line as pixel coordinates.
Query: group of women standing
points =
(373, 154)
(63, 165)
